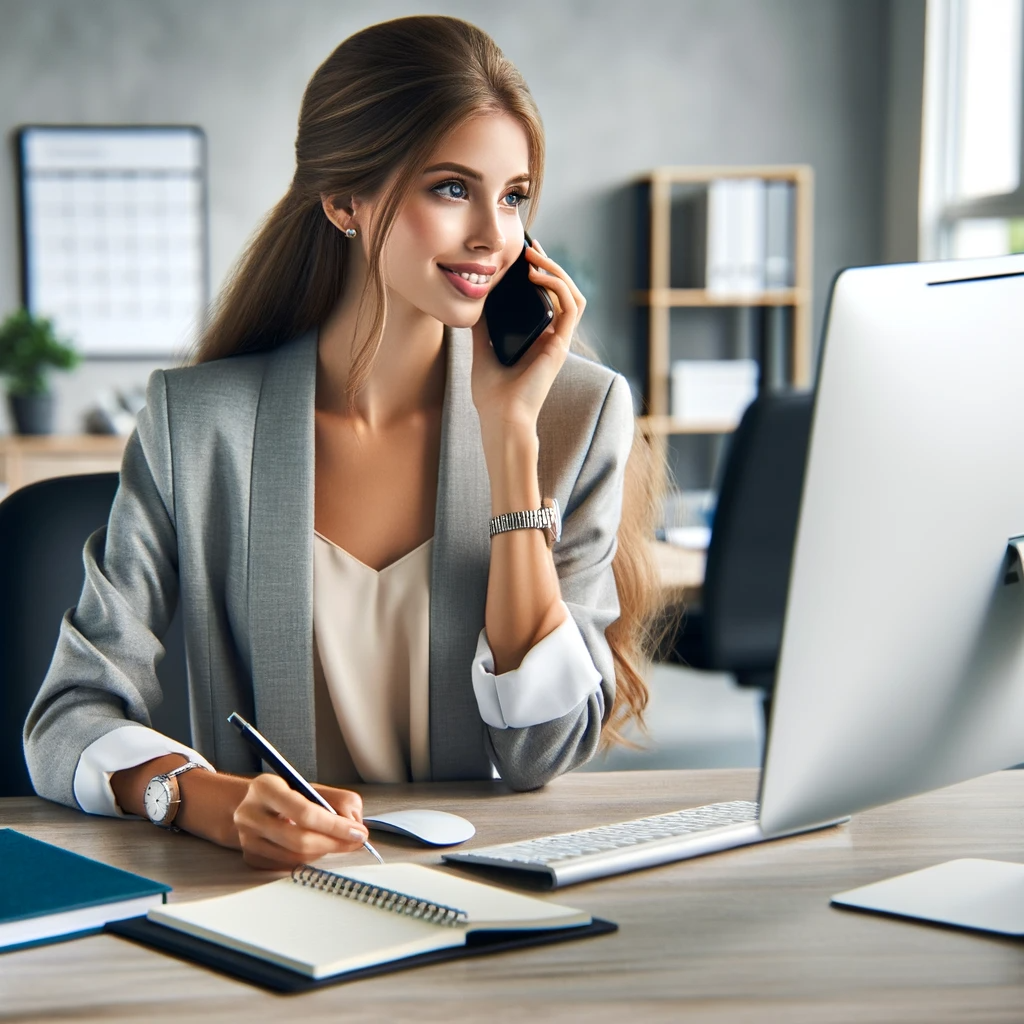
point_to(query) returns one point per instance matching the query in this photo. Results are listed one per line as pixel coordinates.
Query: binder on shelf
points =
(736, 237)
(718, 277)
(749, 225)
(780, 216)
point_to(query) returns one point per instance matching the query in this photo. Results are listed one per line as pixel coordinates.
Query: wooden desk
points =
(746, 935)
(26, 460)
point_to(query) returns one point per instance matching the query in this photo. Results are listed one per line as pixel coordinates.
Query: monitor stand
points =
(986, 895)
(1013, 567)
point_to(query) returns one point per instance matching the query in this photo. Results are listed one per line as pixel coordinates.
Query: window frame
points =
(940, 210)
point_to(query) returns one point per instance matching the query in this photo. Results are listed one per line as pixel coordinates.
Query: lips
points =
(464, 287)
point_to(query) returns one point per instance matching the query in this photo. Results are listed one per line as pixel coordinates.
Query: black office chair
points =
(738, 627)
(43, 528)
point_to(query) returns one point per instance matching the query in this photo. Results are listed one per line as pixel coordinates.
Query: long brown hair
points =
(371, 116)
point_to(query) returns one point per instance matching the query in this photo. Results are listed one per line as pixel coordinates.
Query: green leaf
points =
(28, 348)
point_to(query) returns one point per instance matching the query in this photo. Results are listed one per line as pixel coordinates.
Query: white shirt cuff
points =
(124, 747)
(556, 674)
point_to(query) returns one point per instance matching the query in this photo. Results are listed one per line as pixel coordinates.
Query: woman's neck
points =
(408, 375)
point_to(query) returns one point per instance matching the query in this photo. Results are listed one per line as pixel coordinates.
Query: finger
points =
(303, 843)
(545, 262)
(310, 817)
(344, 801)
(566, 305)
(540, 259)
(343, 834)
(554, 270)
(277, 801)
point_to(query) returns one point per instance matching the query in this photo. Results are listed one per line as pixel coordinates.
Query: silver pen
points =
(276, 760)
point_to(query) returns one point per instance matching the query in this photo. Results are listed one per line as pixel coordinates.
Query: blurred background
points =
(690, 144)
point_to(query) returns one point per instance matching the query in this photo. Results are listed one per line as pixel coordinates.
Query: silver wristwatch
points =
(547, 518)
(162, 798)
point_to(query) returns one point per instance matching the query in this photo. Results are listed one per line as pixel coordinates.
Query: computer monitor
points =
(902, 660)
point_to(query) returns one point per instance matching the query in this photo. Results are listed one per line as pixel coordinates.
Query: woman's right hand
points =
(272, 825)
(279, 828)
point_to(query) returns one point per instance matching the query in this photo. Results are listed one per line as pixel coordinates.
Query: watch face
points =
(157, 800)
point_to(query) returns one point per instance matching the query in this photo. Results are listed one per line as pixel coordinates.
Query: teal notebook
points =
(47, 893)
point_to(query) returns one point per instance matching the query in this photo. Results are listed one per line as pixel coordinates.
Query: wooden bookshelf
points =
(659, 298)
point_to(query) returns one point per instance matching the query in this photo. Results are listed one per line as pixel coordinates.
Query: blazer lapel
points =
(458, 589)
(280, 581)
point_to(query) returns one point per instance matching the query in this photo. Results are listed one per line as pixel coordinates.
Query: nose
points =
(486, 234)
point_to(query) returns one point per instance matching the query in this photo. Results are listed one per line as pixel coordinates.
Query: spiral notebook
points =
(324, 925)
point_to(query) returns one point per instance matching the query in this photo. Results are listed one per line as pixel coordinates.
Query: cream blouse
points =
(371, 665)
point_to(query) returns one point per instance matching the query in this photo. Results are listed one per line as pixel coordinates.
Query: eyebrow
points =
(469, 173)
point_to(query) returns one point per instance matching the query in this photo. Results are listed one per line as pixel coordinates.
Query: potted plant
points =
(28, 348)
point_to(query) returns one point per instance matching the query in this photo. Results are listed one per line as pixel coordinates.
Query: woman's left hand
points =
(510, 397)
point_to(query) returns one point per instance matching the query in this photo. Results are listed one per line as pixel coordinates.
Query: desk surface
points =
(741, 936)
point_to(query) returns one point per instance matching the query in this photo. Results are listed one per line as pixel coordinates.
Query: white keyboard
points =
(611, 849)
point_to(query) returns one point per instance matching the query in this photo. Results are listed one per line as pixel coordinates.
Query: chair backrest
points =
(751, 550)
(43, 528)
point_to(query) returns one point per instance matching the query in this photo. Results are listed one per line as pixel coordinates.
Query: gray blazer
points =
(215, 505)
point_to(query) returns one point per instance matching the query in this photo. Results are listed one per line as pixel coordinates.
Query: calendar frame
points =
(28, 244)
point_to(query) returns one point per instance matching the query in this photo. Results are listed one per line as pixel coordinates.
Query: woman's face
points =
(462, 218)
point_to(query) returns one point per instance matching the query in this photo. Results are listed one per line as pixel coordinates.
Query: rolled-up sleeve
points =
(555, 675)
(121, 748)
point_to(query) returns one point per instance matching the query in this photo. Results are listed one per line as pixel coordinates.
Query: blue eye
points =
(520, 198)
(460, 193)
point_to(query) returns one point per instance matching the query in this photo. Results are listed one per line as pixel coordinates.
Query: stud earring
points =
(350, 232)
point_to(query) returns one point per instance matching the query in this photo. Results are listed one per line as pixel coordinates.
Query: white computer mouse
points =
(435, 828)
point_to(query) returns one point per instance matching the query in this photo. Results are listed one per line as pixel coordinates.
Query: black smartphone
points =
(517, 311)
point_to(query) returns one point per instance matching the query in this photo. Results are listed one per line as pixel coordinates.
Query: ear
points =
(339, 215)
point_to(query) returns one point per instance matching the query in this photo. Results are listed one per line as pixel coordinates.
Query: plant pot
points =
(32, 414)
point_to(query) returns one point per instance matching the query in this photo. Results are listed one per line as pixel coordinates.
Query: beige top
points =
(371, 659)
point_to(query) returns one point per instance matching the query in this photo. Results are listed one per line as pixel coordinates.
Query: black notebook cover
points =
(281, 979)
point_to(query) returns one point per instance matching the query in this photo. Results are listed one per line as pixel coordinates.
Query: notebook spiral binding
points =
(377, 896)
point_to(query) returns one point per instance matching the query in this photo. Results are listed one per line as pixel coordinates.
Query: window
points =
(972, 193)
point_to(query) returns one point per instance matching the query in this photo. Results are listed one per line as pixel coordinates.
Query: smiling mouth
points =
(473, 286)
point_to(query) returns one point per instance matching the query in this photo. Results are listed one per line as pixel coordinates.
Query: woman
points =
(319, 487)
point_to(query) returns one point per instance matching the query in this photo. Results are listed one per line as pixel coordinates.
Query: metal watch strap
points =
(546, 518)
(184, 768)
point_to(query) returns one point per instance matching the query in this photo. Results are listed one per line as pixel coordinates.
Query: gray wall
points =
(622, 87)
